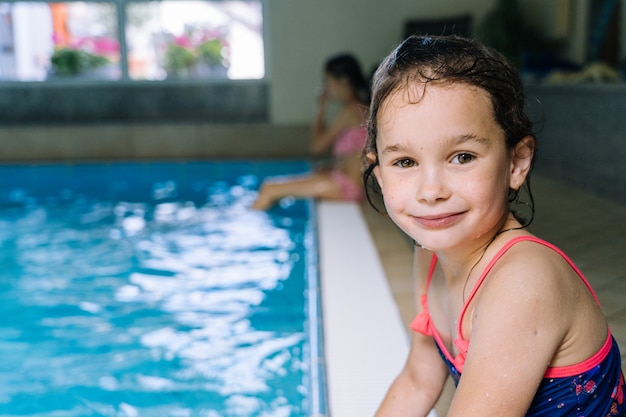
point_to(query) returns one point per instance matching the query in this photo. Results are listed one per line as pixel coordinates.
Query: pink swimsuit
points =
(350, 141)
(592, 388)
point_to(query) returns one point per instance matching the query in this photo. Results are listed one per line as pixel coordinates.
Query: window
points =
(126, 40)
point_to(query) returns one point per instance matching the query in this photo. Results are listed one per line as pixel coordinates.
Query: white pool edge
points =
(365, 342)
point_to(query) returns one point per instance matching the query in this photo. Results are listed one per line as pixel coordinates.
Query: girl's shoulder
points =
(530, 258)
(530, 270)
(526, 252)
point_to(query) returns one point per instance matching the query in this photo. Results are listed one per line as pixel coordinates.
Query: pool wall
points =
(318, 383)
(149, 141)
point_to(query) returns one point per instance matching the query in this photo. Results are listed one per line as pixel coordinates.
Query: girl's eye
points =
(463, 158)
(405, 163)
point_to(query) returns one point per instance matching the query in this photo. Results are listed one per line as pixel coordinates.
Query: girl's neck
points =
(458, 264)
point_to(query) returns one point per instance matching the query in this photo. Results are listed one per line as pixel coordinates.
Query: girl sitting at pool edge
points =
(506, 314)
(344, 135)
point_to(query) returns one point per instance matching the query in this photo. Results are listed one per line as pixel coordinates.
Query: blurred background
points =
(130, 79)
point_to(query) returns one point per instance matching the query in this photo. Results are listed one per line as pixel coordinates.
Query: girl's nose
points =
(431, 187)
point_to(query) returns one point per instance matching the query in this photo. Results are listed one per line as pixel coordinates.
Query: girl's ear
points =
(373, 160)
(521, 161)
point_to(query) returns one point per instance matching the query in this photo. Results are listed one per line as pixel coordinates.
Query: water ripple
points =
(130, 308)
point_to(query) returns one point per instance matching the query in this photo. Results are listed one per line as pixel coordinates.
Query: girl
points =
(345, 135)
(506, 314)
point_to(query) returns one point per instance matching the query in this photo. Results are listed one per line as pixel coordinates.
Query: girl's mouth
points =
(438, 221)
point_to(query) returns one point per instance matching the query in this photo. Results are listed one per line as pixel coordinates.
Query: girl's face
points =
(444, 168)
(336, 88)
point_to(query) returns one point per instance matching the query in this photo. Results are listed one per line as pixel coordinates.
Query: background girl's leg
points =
(317, 185)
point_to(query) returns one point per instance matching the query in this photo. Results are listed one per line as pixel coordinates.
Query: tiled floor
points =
(591, 230)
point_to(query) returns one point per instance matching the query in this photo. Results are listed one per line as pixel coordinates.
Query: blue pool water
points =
(152, 290)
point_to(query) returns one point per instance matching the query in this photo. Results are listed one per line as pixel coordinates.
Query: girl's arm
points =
(319, 122)
(325, 134)
(420, 383)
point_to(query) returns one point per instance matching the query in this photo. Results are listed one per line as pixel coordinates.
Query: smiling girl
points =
(507, 314)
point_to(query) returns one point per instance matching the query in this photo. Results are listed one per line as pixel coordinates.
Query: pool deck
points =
(366, 342)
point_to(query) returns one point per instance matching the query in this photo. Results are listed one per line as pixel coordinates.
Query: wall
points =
(151, 141)
(581, 136)
(66, 102)
(301, 34)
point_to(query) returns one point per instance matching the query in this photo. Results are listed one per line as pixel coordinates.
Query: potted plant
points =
(178, 59)
(210, 52)
(70, 61)
(198, 52)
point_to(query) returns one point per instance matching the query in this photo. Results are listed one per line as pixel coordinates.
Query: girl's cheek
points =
(393, 200)
(395, 187)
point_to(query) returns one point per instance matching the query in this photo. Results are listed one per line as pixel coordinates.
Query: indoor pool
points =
(151, 289)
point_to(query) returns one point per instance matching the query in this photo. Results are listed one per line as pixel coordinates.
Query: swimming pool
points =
(134, 289)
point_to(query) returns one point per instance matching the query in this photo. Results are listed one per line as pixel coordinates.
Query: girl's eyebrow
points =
(454, 140)
(471, 138)
(394, 148)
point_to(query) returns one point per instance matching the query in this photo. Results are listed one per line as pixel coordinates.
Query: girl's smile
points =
(444, 168)
(438, 221)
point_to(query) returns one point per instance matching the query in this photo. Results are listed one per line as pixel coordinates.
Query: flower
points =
(196, 46)
(99, 45)
(183, 41)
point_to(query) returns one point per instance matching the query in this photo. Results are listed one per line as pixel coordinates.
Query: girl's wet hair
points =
(449, 59)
